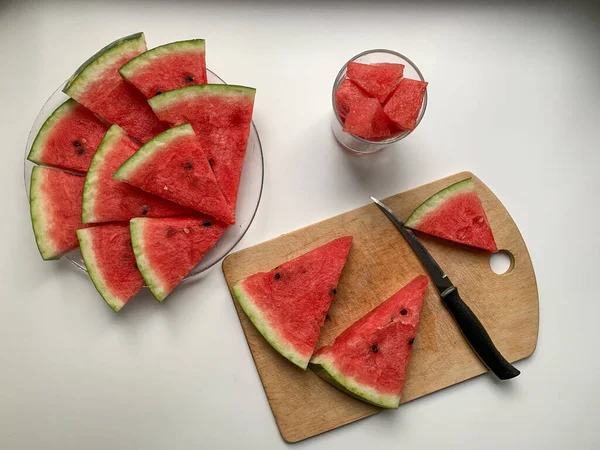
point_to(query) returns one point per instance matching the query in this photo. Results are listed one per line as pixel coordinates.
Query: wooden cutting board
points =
(379, 264)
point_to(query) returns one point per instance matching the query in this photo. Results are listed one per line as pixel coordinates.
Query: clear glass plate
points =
(251, 186)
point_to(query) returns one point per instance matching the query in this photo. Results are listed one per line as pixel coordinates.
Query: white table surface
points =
(514, 97)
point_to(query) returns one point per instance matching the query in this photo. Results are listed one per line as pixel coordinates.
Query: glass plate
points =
(251, 186)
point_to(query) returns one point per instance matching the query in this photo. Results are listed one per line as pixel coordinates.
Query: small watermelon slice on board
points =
(106, 199)
(55, 207)
(167, 249)
(221, 116)
(98, 86)
(368, 360)
(288, 304)
(174, 166)
(168, 67)
(378, 79)
(404, 105)
(110, 262)
(68, 138)
(456, 214)
(367, 120)
(345, 95)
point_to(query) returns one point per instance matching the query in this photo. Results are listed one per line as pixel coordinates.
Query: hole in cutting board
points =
(502, 262)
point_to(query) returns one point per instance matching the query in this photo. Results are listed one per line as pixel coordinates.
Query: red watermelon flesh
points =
(455, 213)
(55, 206)
(404, 105)
(221, 116)
(174, 166)
(367, 120)
(378, 79)
(68, 139)
(108, 255)
(98, 86)
(106, 199)
(288, 304)
(167, 249)
(345, 95)
(369, 359)
(167, 67)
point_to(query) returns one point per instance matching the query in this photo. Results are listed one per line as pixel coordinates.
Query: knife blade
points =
(470, 326)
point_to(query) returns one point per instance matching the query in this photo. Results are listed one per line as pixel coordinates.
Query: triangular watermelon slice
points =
(98, 86)
(174, 166)
(110, 262)
(288, 304)
(346, 94)
(369, 359)
(166, 250)
(405, 103)
(455, 213)
(221, 116)
(55, 206)
(106, 199)
(68, 139)
(378, 79)
(167, 67)
(367, 120)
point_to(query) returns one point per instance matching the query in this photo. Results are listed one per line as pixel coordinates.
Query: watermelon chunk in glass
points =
(404, 105)
(345, 95)
(366, 119)
(167, 67)
(378, 79)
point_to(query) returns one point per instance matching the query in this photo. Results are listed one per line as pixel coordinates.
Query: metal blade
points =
(439, 278)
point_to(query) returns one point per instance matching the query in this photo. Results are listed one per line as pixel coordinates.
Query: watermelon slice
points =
(98, 86)
(456, 214)
(166, 250)
(174, 166)
(110, 262)
(367, 120)
(167, 67)
(345, 95)
(378, 79)
(55, 206)
(221, 116)
(106, 199)
(404, 105)
(288, 304)
(68, 138)
(369, 359)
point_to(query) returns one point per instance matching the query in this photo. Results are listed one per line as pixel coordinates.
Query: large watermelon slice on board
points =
(55, 206)
(288, 304)
(68, 138)
(221, 116)
(369, 359)
(106, 199)
(166, 250)
(456, 214)
(404, 105)
(98, 86)
(378, 79)
(167, 67)
(174, 166)
(110, 262)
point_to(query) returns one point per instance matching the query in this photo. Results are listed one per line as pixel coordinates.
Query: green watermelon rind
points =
(153, 281)
(90, 186)
(130, 68)
(175, 96)
(150, 149)
(38, 213)
(90, 69)
(437, 200)
(37, 148)
(261, 322)
(85, 238)
(325, 368)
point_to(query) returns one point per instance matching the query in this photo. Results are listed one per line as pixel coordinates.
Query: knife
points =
(467, 321)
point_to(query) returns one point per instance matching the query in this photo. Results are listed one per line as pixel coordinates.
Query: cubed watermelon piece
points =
(378, 79)
(368, 120)
(345, 95)
(404, 105)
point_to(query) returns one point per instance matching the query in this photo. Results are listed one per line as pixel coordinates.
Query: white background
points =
(514, 97)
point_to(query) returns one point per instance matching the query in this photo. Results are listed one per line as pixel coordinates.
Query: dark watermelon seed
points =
(145, 210)
(403, 312)
(333, 291)
(277, 276)
(187, 165)
(80, 150)
(171, 231)
(77, 144)
(130, 244)
(210, 162)
(374, 348)
(326, 316)
(411, 340)
(158, 92)
(206, 224)
(189, 78)
(135, 265)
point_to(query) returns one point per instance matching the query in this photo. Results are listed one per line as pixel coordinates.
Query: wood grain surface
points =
(379, 264)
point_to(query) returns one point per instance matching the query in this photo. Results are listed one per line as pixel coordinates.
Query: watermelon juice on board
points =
(360, 88)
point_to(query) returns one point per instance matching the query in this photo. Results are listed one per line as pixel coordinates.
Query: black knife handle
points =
(477, 337)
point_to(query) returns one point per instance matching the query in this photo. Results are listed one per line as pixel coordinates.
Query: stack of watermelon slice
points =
(140, 167)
